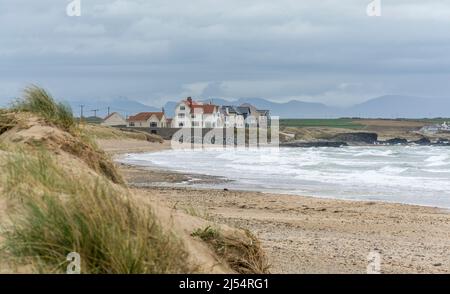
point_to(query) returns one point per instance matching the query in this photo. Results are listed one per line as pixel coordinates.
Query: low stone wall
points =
(166, 133)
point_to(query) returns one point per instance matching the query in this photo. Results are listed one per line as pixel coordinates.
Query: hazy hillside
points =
(389, 106)
(291, 109)
(169, 108)
(394, 106)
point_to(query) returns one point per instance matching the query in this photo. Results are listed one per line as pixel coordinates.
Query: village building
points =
(148, 120)
(232, 117)
(253, 116)
(114, 120)
(191, 114)
(182, 113)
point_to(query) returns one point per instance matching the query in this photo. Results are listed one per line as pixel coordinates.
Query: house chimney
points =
(189, 100)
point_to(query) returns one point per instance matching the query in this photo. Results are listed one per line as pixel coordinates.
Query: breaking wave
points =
(405, 174)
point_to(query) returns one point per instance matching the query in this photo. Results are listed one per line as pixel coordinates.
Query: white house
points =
(148, 120)
(182, 114)
(114, 119)
(189, 113)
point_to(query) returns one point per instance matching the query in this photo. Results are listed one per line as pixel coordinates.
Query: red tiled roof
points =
(144, 116)
(190, 103)
(207, 108)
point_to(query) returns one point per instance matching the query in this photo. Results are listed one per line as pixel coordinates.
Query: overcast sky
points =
(158, 50)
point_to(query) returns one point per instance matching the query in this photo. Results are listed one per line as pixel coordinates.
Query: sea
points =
(400, 174)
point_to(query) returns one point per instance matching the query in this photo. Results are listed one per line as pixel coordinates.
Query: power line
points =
(95, 112)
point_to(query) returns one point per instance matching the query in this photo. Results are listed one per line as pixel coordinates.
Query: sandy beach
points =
(305, 234)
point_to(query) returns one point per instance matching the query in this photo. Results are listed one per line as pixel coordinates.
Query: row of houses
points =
(192, 114)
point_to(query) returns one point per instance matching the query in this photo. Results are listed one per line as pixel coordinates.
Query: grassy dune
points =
(59, 193)
(58, 212)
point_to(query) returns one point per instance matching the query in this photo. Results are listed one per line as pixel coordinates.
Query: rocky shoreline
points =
(364, 138)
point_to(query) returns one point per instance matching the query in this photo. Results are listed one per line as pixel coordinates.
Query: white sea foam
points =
(439, 160)
(415, 175)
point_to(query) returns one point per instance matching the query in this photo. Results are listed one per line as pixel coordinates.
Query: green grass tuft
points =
(206, 234)
(37, 100)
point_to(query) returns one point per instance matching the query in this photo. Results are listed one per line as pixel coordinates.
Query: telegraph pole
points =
(81, 111)
(95, 112)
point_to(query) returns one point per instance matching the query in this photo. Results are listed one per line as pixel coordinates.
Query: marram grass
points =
(38, 101)
(80, 143)
(60, 214)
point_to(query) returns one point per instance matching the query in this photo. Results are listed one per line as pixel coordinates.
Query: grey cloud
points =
(158, 50)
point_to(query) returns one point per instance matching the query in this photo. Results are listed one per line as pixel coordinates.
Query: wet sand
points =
(304, 234)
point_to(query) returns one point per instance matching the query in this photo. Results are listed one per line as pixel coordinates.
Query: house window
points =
(181, 124)
(181, 115)
(153, 125)
(131, 124)
(182, 107)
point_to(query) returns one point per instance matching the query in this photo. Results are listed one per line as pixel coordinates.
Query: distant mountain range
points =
(390, 106)
(291, 109)
(395, 106)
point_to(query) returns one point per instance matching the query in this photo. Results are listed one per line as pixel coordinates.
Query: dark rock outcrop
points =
(422, 141)
(359, 137)
(442, 142)
(395, 141)
(402, 141)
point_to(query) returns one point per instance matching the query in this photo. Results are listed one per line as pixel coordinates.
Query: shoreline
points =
(304, 234)
(177, 179)
(203, 181)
